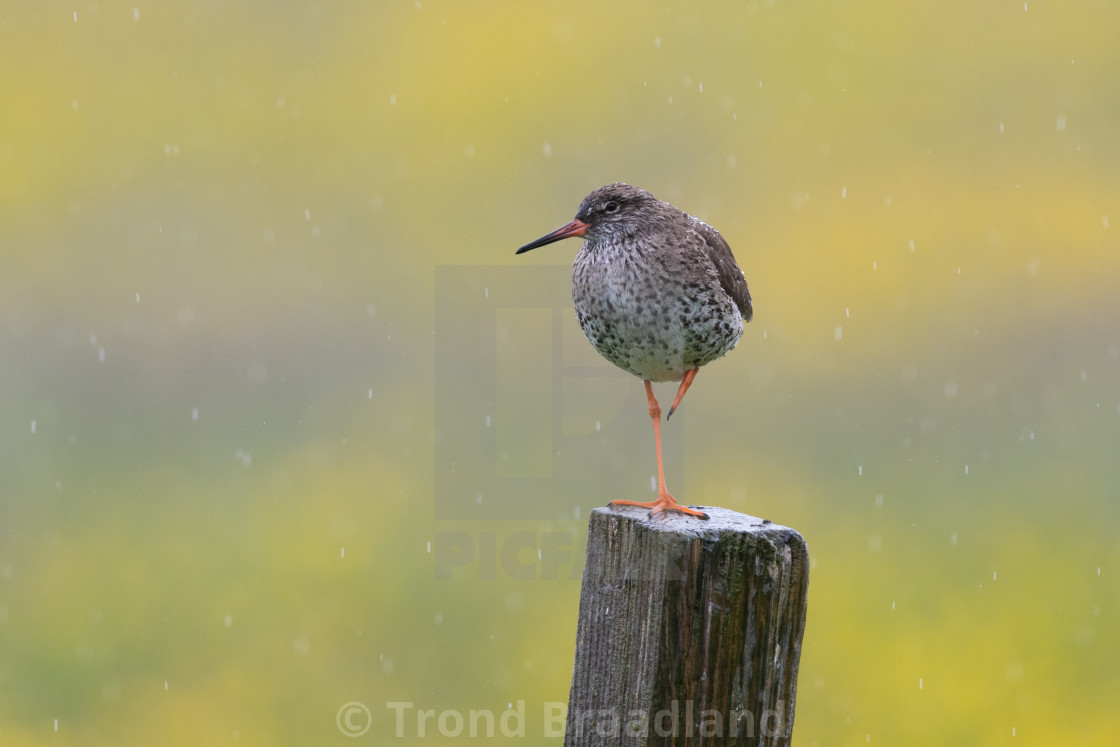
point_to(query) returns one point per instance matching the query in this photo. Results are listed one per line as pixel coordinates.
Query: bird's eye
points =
(611, 207)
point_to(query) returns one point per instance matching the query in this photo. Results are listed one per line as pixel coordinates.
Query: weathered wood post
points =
(689, 631)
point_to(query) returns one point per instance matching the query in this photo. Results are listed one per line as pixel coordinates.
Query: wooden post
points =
(689, 631)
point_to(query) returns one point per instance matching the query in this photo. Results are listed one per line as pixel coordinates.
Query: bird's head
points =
(613, 210)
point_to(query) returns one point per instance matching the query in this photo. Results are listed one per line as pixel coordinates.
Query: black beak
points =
(575, 228)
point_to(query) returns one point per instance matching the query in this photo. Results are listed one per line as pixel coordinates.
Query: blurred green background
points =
(221, 227)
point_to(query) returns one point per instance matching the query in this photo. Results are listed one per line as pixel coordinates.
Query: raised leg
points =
(686, 382)
(664, 502)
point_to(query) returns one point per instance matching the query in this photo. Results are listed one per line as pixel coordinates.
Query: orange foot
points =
(664, 502)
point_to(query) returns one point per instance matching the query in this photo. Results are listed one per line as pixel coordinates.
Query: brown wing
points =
(730, 276)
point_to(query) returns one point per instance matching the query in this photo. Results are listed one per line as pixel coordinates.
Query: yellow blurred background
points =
(232, 243)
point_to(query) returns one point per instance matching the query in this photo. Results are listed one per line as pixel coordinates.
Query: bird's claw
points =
(662, 506)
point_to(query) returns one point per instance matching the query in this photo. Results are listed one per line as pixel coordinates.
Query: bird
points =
(658, 293)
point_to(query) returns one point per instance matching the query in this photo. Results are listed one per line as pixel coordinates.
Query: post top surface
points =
(720, 521)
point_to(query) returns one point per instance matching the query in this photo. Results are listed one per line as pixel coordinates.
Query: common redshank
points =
(657, 292)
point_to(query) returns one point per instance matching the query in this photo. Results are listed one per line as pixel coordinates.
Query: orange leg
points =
(686, 382)
(664, 502)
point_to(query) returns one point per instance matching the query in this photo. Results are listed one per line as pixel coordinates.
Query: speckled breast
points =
(647, 320)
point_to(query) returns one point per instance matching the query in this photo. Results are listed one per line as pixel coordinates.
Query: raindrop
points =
(32, 426)
(229, 621)
(439, 618)
(487, 421)
(911, 244)
(546, 149)
(136, 17)
(342, 553)
(194, 414)
(838, 333)
(1061, 123)
(843, 192)
(429, 547)
(137, 297)
(371, 393)
(597, 426)
(920, 684)
(101, 355)
(393, 99)
(656, 39)
(861, 470)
